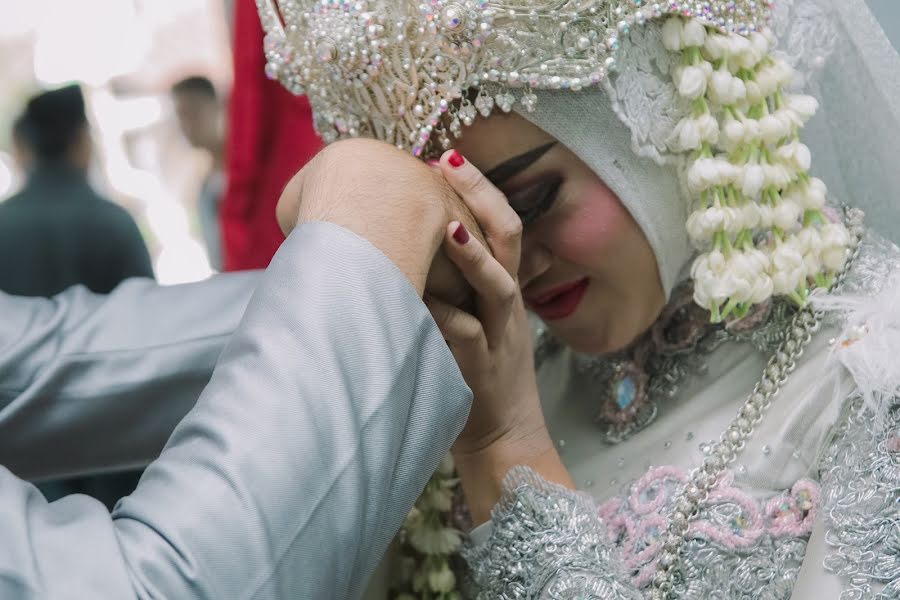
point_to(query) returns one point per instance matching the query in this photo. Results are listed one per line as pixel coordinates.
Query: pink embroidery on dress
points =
(731, 518)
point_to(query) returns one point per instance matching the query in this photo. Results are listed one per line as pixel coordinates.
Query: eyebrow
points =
(517, 164)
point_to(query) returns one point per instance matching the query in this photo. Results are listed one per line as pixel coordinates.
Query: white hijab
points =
(842, 57)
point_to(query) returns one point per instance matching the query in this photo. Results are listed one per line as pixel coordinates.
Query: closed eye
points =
(533, 202)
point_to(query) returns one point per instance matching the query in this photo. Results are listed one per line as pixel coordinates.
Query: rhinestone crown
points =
(407, 72)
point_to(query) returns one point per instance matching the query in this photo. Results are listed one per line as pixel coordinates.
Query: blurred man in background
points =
(200, 116)
(21, 146)
(58, 232)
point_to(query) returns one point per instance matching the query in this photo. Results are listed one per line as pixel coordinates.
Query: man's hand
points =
(393, 200)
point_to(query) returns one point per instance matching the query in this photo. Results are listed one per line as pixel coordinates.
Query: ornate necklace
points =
(639, 379)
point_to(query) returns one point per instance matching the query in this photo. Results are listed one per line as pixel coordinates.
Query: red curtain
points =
(270, 137)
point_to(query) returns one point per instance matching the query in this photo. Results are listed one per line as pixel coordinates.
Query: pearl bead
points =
(453, 18)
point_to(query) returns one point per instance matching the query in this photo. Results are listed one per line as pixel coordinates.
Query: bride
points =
(703, 402)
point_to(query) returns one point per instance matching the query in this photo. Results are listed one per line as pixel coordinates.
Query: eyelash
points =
(536, 210)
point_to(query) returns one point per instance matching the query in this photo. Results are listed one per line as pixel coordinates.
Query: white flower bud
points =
(732, 220)
(813, 194)
(708, 172)
(834, 258)
(696, 230)
(766, 81)
(732, 133)
(812, 264)
(762, 288)
(708, 273)
(786, 215)
(442, 580)
(744, 53)
(802, 105)
(776, 175)
(672, 34)
(752, 131)
(693, 34)
(808, 240)
(770, 36)
(786, 256)
(430, 540)
(834, 234)
(752, 181)
(754, 93)
(791, 118)
(685, 136)
(758, 258)
(782, 72)
(691, 83)
(759, 43)
(773, 129)
(708, 127)
(720, 90)
(715, 46)
(795, 155)
(750, 215)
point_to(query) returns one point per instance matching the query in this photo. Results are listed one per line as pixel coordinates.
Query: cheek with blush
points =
(587, 229)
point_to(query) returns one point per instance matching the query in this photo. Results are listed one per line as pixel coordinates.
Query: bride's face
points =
(587, 268)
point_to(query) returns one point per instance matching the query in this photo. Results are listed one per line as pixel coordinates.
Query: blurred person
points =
(200, 117)
(22, 145)
(270, 137)
(58, 232)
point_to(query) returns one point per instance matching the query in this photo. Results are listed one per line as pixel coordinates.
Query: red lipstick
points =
(559, 302)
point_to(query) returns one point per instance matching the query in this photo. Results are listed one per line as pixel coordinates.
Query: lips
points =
(559, 302)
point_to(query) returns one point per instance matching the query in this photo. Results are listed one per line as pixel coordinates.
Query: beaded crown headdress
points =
(414, 73)
(399, 70)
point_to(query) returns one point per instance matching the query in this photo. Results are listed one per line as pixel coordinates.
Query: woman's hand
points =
(493, 347)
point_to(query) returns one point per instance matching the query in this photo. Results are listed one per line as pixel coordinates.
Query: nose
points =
(536, 259)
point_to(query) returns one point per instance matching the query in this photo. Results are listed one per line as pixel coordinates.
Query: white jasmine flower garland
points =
(758, 214)
(428, 541)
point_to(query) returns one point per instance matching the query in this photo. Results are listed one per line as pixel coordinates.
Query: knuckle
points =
(512, 226)
(508, 292)
(470, 335)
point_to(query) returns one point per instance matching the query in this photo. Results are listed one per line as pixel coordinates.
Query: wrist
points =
(483, 469)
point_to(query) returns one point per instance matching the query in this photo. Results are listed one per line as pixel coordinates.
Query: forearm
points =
(330, 407)
(91, 382)
(325, 417)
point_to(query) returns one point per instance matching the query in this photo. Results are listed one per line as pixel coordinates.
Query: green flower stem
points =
(778, 233)
(797, 298)
(730, 306)
(732, 194)
(778, 99)
(813, 217)
(715, 315)
(700, 107)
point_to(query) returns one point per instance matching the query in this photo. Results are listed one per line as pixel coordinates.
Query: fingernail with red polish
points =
(456, 159)
(461, 235)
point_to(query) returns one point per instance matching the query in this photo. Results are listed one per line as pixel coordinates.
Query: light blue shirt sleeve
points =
(98, 382)
(329, 409)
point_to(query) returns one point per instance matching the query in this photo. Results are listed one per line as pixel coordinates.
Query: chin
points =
(605, 338)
